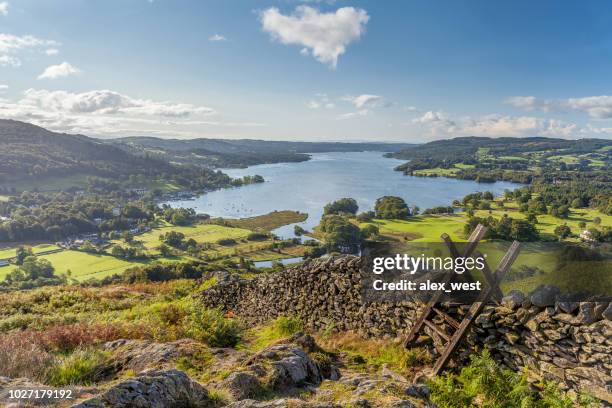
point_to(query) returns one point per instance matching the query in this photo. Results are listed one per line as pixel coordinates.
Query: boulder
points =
(152, 389)
(242, 385)
(139, 355)
(513, 299)
(607, 314)
(249, 403)
(544, 295)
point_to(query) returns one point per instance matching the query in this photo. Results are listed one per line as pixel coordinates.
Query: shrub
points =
(211, 327)
(484, 383)
(287, 326)
(226, 241)
(83, 367)
(257, 236)
(22, 357)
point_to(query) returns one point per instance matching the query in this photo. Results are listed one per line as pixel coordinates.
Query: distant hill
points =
(240, 153)
(460, 147)
(28, 151)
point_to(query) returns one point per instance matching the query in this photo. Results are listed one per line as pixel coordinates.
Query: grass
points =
(423, 228)
(374, 352)
(83, 367)
(547, 223)
(11, 252)
(269, 222)
(269, 333)
(83, 265)
(202, 233)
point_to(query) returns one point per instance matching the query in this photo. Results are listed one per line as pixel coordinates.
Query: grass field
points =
(423, 228)
(548, 223)
(269, 222)
(202, 233)
(440, 172)
(82, 265)
(11, 252)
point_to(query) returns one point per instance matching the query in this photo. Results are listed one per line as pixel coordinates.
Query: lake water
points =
(308, 186)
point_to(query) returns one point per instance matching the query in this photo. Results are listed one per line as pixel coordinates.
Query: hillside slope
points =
(28, 151)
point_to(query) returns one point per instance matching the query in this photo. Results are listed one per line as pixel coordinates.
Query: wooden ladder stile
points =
(460, 328)
(473, 240)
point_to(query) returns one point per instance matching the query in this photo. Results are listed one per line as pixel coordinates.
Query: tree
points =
(596, 220)
(563, 231)
(391, 207)
(531, 218)
(343, 205)
(172, 238)
(370, 231)
(22, 254)
(340, 234)
(366, 216)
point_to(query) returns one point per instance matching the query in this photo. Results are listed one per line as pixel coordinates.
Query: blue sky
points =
(315, 70)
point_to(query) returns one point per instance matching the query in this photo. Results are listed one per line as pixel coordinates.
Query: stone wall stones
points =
(568, 343)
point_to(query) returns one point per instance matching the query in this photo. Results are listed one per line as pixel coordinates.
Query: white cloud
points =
(10, 45)
(108, 112)
(363, 101)
(529, 103)
(597, 107)
(324, 35)
(216, 38)
(4, 8)
(435, 119)
(3, 88)
(350, 115)
(51, 51)
(495, 125)
(59, 71)
(321, 101)
(9, 61)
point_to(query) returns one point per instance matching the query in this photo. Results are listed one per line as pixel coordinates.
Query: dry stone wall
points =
(570, 343)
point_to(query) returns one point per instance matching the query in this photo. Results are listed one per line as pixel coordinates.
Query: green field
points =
(423, 228)
(547, 223)
(82, 265)
(269, 222)
(202, 233)
(11, 252)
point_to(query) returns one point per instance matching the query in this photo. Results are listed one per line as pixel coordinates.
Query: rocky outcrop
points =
(565, 342)
(152, 389)
(138, 355)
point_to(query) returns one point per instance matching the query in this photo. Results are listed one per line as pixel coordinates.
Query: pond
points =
(308, 186)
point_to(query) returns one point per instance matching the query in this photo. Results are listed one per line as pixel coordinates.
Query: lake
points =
(308, 186)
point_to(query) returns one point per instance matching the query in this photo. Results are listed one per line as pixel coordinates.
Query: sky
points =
(317, 70)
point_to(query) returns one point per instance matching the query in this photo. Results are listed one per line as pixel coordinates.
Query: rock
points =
(512, 337)
(7, 384)
(152, 389)
(306, 342)
(513, 299)
(418, 391)
(567, 306)
(242, 385)
(249, 403)
(544, 295)
(387, 373)
(403, 404)
(139, 355)
(607, 314)
(586, 313)
(291, 367)
(358, 403)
